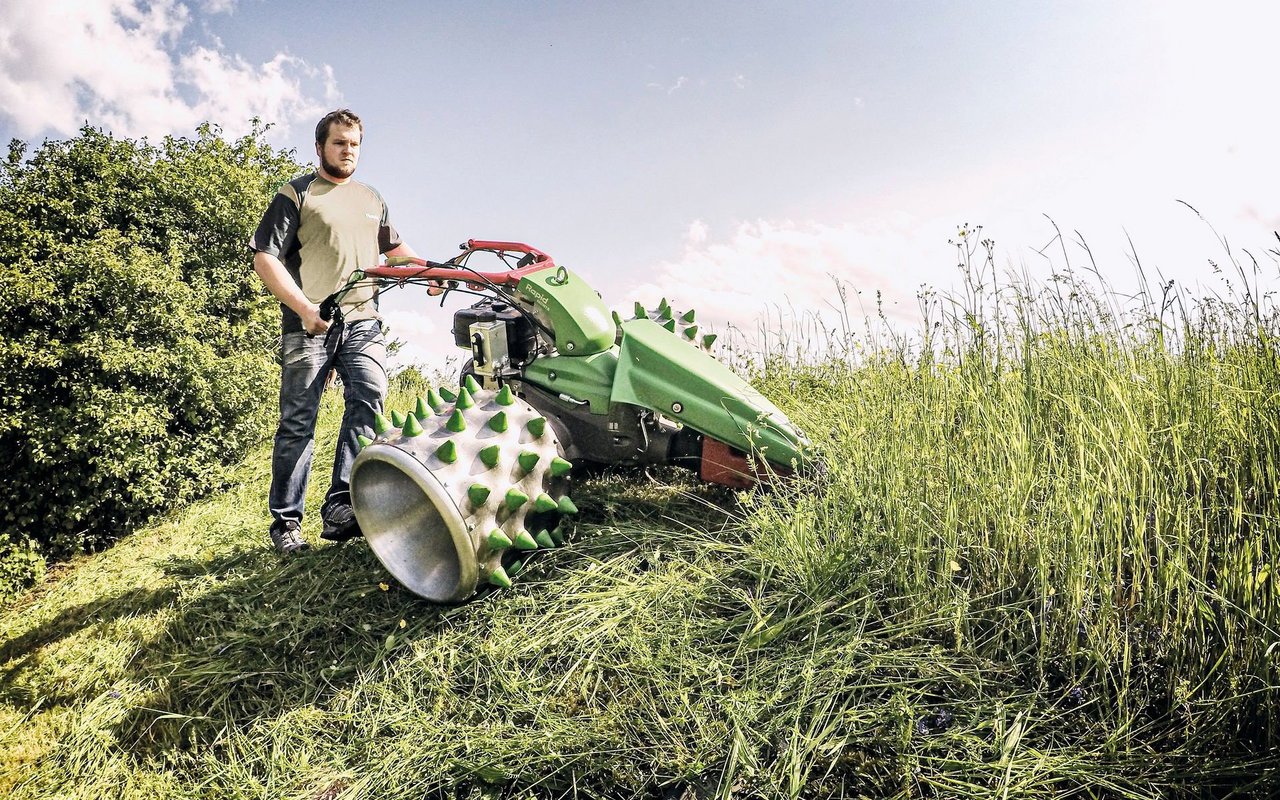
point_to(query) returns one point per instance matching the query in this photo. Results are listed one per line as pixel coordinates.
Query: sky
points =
(756, 161)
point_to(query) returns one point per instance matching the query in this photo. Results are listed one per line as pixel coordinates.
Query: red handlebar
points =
(442, 272)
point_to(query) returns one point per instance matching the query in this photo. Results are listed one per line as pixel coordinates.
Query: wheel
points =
(459, 492)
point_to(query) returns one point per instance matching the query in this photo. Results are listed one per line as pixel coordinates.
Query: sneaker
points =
(340, 523)
(287, 539)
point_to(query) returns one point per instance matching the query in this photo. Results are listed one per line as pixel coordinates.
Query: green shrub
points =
(136, 345)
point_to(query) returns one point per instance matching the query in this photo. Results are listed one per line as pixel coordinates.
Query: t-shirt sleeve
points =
(278, 230)
(388, 236)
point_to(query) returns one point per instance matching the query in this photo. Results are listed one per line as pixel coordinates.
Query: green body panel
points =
(580, 319)
(657, 370)
(587, 378)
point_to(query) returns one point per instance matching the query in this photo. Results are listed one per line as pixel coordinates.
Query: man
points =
(317, 230)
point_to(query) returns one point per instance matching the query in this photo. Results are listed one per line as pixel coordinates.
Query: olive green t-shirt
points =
(322, 232)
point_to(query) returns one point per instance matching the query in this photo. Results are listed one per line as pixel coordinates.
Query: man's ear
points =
(319, 150)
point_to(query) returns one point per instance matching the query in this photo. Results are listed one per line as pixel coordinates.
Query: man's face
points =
(340, 151)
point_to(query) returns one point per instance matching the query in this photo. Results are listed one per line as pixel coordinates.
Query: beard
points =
(340, 171)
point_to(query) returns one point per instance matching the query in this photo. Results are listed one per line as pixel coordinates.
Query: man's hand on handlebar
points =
(312, 322)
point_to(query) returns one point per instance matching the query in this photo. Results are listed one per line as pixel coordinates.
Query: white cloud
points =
(775, 275)
(125, 65)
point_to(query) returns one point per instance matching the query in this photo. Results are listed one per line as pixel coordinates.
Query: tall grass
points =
(1038, 564)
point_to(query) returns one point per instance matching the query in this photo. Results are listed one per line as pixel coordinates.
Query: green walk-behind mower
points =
(455, 495)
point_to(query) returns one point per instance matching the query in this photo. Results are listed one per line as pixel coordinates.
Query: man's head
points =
(338, 138)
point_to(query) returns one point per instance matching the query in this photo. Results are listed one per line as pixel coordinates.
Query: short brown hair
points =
(343, 116)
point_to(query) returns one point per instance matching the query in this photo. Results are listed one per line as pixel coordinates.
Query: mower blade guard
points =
(659, 371)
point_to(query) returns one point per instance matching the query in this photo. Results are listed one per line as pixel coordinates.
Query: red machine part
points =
(446, 272)
(727, 466)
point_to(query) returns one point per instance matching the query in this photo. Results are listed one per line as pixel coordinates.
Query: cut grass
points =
(1037, 565)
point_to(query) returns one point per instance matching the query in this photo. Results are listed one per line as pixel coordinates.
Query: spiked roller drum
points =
(460, 492)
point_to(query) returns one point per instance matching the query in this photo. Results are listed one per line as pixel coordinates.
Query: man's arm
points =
(281, 284)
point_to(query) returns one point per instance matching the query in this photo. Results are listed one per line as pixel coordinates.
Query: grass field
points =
(1039, 564)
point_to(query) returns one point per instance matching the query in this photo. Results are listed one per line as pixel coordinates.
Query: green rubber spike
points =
(381, 424)
(465, 400)
(663, 306)
(641, 312)
(617, 319)
(447, 395)
(434, 401)
(557, 535)
(422, 410)
(505, 397)
(687, 316)
(515, 498)
(525, 541)
(527, 460)
(537, 426)
(498, 540)
(691, 332)
(709, 340)
(477, 493)
(544, 539)
(489, 456)
(560, 467)
(545, 503)
(469, 383)
(397, 419)
(411, 426)
(498, 422)
(670, 325)
(566, 506)
(457, 423)
(364, 441)
(515, 568)
(668, 314)
(499, 577)
(447, 452)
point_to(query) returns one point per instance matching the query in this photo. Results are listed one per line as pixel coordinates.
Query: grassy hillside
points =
(1039, 564)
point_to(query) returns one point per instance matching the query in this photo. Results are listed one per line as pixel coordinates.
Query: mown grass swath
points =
(1038, 564)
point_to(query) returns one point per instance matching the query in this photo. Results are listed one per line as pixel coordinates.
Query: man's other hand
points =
(311, 321)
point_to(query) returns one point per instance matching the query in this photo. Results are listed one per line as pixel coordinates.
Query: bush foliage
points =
(135, 344)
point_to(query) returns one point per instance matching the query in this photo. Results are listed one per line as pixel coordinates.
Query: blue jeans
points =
(358, 353)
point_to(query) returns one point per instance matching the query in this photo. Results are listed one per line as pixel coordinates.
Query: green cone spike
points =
(465, 400)
(544, 539)
(411, 426)
(537, 426)
(617, 319)
(447, 452)
(434, 400)
(640, 312)
(560, 467)
(457, 423)
(525, 541)
(545, 503)
(477, 494)
(687, 316)
(498, 540)
(557, 535)
(515, 498)
(364, 441)
(397, 419)
(667, 314)
(447, 395)
(381, 424)
(709, 340)
(670, 325)
(422, 410)
(691, 332)
(527, 460)
(566, 506)
(515, 568)
(469, 383)
(505, 397)
(498, 422)
(489, 456)
(664, 307)
(499, 577)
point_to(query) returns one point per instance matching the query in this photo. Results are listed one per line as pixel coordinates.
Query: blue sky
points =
(740, 157)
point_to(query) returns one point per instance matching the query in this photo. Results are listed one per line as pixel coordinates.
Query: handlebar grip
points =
(327, 309)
